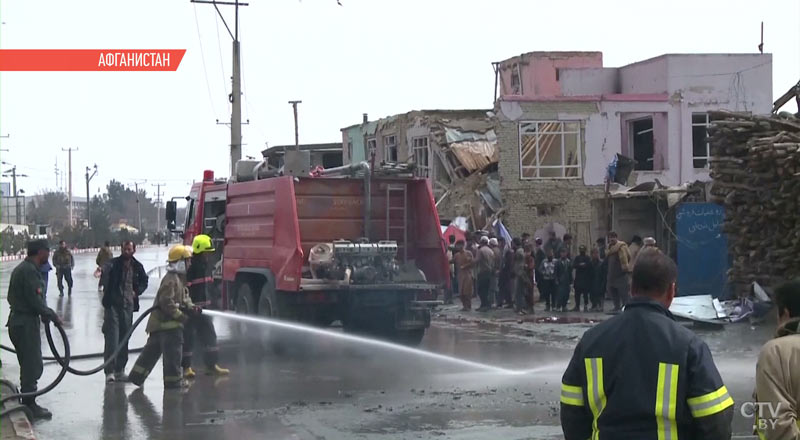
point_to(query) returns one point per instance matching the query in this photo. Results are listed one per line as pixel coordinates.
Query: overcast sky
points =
(375, 56)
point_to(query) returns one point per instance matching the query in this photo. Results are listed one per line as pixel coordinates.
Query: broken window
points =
(701, 150)
(421, 156)
(641, 136)
(516, 82)
(390, 148)
(349, 152)
(549, 149)
(372, 146)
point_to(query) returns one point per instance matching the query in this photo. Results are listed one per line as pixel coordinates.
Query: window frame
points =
(563, 132)
(420, 169)
(706, 124)
(387, 148)
(632, 141)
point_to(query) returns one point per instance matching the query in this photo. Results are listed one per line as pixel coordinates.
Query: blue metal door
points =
(702, 249)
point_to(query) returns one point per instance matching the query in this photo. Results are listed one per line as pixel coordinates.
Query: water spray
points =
(367, 341)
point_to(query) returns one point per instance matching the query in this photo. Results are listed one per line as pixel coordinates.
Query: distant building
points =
(444, 146)
(325, 155)
(562, 119)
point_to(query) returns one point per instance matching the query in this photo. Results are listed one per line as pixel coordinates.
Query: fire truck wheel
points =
(412, 338)
(245, 300)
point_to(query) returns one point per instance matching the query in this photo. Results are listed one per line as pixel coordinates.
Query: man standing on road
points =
(599, 273)
(522, 282)
(547, 285)
(200, 284)
(538, 256)
(619, 271)
(45, 269)
(64, 263)
(26, 305)
(641, 374)
(485, 273)
(464, 262)
(584, 278)
(563, 279)
(103, 256)
(494, 243)
(124, 280)
(448, 294)
(172, 308)
(778, 371)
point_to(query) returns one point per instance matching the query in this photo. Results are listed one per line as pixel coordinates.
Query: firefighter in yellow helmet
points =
(200, 327)
(165, 325)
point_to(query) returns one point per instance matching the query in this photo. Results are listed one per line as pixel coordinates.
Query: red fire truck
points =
(345, 244)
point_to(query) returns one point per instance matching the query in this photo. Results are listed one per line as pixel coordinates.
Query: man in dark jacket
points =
(124, 279)
(584, 278)
(26, 305)
(563, 279)
(641, 374)
(64, 263)
(598, 291)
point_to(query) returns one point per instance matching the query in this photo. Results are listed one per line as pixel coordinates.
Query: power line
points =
(203, 58)
(221, 63)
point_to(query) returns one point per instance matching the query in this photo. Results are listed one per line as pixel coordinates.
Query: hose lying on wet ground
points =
(65, 360)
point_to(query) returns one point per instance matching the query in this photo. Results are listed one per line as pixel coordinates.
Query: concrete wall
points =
(649, 76)
(589, 81)
(739, 82)
(538, 71)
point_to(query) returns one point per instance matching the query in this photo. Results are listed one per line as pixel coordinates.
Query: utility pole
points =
(88, 197)
(14, 176)
(138, 205)
(235, 98)
(296, 132)
(69, 155)
(56, 168)
(158, 205)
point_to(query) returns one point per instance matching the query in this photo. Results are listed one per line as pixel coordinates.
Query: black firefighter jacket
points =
(641, 375)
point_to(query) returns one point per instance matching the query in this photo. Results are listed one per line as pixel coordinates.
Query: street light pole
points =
(88, 198)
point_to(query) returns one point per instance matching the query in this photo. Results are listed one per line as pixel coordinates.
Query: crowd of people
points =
(503, 274)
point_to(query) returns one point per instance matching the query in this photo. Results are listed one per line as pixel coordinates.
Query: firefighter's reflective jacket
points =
(641, 375)
(171, 297)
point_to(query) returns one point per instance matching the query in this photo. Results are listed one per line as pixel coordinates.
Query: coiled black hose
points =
(65, 360)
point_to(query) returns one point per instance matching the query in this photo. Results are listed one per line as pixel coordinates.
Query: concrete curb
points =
(22, 427)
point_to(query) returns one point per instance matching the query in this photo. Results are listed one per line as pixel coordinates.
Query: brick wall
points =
(532, 204)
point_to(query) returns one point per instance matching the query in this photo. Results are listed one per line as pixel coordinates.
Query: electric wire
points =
(203, 58)
(221, 63)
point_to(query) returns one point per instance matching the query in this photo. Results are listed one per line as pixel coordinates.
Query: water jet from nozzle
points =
(366, 341)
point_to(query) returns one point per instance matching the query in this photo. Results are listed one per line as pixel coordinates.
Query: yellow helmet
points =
(202, 243)
(179, 252)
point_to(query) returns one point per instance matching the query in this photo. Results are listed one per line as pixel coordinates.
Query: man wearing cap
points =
(26, 305)
(485, 265)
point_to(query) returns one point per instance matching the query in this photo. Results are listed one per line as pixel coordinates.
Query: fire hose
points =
(65, 360)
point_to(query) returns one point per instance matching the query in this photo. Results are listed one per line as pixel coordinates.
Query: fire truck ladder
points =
(398, 190)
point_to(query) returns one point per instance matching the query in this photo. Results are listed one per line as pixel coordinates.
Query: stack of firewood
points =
(755, 165)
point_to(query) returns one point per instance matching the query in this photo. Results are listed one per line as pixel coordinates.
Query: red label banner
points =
(90, 60)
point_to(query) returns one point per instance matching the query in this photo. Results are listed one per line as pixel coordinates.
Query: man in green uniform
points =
(26, 304)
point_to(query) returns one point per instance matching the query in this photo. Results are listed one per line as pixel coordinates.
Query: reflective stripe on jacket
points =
(642, 375)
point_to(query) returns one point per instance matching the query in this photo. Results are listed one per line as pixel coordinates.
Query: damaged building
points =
(591, 148)
(455, 149)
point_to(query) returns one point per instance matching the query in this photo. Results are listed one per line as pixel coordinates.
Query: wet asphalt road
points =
(324, 388)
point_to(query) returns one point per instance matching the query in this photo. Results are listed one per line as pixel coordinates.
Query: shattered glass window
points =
(390, 148)
(549, 149)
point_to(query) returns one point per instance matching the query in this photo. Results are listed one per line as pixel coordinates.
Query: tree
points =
(52, 209)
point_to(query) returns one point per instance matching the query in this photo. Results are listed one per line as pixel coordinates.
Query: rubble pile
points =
(755, 165)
